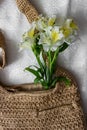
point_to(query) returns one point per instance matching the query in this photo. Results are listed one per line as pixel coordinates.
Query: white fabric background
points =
(14, 24)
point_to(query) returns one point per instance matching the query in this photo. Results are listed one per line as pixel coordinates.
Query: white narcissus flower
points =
(69, 30)
(69, 23)
(41, 23)
(28, 39)
(46, 32)
(56, 34)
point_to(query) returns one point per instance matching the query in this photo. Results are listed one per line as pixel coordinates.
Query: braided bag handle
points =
(28, 9)
(2, 49)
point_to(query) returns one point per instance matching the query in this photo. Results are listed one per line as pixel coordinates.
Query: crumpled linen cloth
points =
(14, 24)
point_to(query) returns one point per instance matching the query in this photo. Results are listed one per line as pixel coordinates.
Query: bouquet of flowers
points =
(47, 38)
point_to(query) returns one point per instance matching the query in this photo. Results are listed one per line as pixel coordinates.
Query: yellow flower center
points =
(51, 21)
(55, 36)
(73, 25)
(31, 33)
(67, 32)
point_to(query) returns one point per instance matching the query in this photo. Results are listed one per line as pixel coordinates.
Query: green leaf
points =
(65, 80)
(49, 56)
(61, 79)
(37, 80)
(45, 86)
(37, 38)
(34, 66)
(39, 70)
(37, 49)
(53, 63)
(42, 59)
(55, 56)
(35, 72)
(48, 75)
(39, 62)
(63, 47)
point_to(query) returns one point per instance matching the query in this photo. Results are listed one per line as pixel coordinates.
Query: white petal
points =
(56, 28)
(46, 48)
(68, 21)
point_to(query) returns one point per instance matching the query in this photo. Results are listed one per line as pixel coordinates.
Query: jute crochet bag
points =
(28, 107)
(24, 108)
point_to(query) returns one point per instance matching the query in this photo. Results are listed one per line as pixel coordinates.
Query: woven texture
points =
(26, 7)
(55, 109)
(2, 46)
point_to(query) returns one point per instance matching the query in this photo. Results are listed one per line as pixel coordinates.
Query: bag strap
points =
(28, 9)
(2, 51)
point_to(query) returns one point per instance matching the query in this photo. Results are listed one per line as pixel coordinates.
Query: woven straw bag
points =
(24, 108)
(29, 107)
